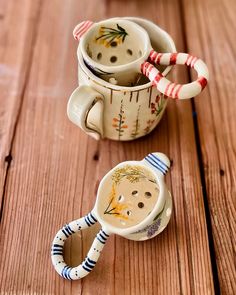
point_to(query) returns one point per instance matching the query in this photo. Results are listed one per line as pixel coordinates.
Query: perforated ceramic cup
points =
(132, 201)
(104, 110)
(118, 50)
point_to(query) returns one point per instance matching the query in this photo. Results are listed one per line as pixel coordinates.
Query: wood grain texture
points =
(17, 26)
(213, 36)
(56, 169)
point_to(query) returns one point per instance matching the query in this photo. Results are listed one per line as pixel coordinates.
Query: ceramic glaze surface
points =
(132, 201)
(129, 195)
(120, 113)
(112, 45)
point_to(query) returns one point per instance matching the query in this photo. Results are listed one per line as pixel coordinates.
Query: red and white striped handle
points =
(177, 91)
(81, 29)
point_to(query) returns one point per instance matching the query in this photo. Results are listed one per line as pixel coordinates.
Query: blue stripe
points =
(91, 266)
(157, 163)
(56, 253)
(91, 261)
(57, 246)
(86, 221)
(65, 233)
(104, 233)
(69, 233)
(88, 270)
(100, 240)
(104, 238)
(69, 228)
(149, 160)
(93, 217)
(159, 160)
(64, 272)
(68, 273)
(92, 222)
(162, 164)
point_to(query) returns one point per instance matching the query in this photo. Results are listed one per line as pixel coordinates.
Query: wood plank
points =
(211, 33)
(17, 22)
(56, 169)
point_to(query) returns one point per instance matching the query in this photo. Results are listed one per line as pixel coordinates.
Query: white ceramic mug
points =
(119, 49)
(104, 110)
(132, 201)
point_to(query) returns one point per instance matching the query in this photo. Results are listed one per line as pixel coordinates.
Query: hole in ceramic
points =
(135, 193)
(120, 198)
(140, 205)
(120, 38)
(99, 56)
(113, 44)
(148, 195)
(113, 59)
(129, 212)
(129, 51)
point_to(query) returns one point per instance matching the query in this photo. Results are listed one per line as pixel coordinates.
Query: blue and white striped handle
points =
(159, 162)
(80, 271)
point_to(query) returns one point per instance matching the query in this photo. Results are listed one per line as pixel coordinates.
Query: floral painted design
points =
(151, 229)
(119, 122)
(149, 126)
(132, 173)
(111, 37)
(158, 105)
(136, 129)
(115, 207)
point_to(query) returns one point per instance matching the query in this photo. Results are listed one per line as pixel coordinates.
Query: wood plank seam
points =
(22, 95)
(201, 165)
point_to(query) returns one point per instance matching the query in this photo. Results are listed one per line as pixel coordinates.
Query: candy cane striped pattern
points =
(171, 89)
(81, 28)
(158, 161)
(75, 273)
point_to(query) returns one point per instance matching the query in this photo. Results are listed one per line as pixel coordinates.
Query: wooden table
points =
(50, 170)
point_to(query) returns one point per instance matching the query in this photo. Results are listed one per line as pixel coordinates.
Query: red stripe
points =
(177, 91)
(78, 28)
(193, 64)
(152, 55)
(158, 77)
(158, 59)
(202, 81)
(173, 84)
(187, 59)
(144, 67)
(150, 68)
(167, 88)
(80, 34)
(173, 58)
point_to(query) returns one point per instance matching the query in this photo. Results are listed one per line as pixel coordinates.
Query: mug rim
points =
(119, 68)
(148, 219)
(114, 87)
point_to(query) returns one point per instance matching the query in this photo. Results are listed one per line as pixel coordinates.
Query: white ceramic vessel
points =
(120, 49)
(132, 201)
(104, 110)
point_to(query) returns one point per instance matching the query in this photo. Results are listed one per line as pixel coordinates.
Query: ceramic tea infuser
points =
(118, 49)
(132, 201)
(105, 110)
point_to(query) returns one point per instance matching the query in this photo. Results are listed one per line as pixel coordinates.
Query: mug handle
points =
(81, 29)
(177, 91)
(83, 103)
(82, 270)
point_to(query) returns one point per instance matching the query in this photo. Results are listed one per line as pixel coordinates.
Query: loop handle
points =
(173, 90)
(80, 271)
